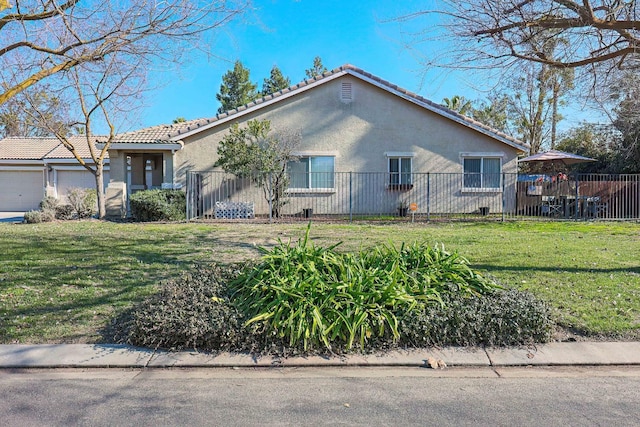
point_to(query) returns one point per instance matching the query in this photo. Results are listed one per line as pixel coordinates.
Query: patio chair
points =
(596, 208)
(551, 206)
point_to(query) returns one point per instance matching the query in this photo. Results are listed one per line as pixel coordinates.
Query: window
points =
(400, 173)
(311, 172)
(482, 172)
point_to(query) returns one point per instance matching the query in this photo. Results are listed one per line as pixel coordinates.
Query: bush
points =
(303, 299)
(33, 217)
(83, 202)
(500, 318)
(47, 212)
(65, 212)
(192, 311)
(49, 204)
(158, 205)
(315, 297)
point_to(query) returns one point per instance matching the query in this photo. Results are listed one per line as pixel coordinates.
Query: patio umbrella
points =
(555, 156)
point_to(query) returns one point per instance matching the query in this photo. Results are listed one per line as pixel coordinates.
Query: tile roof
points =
(39, 148)
(159, 133)
(17, 148)
(174, 132)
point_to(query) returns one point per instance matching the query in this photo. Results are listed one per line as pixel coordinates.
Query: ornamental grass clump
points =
(318, 298)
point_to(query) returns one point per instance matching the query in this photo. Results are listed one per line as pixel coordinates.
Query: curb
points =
(122, 356)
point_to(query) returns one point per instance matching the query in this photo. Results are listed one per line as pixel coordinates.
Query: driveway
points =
(11, 216)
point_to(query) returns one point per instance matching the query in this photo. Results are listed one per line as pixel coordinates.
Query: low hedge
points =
(192, 311)
(195, 311)
(158, 205)
(500, 318)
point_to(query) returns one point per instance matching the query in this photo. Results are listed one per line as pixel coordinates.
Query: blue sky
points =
(289, 34)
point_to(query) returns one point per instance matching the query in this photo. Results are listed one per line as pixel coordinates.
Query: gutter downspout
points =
(173, 163)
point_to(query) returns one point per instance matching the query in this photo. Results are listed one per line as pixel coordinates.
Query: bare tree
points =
(97, 94)
(498, 32)
(43, 38)
(102, 53)
(14, 121)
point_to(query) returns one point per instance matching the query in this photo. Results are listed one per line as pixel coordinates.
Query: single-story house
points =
(34, 167)
(350, 122)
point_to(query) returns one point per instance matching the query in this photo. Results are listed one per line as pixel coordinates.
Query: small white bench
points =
(234, 210)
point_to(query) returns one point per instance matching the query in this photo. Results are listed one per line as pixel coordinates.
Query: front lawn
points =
(62, 282)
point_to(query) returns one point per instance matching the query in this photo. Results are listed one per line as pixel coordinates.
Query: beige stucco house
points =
(350, 122)
(32, 168)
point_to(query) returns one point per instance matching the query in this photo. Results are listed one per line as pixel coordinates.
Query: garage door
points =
(20, 191)
(68, 180)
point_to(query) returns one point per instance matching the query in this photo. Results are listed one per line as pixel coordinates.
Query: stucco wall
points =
(359, 133)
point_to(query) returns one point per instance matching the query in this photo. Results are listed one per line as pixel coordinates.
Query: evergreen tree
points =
(236, 88)
(275, 82)
(317, 69)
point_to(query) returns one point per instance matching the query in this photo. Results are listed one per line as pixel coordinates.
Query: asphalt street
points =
(541, 396)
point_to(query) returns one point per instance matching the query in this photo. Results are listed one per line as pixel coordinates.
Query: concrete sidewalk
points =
(121, 356)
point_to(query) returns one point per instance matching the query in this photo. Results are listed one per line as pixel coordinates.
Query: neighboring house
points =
(350, 121)
(32, 168)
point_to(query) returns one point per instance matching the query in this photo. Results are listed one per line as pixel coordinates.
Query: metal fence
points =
(416, 196)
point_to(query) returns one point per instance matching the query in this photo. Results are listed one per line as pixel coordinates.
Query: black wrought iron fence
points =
(580, 196)
(422, 196)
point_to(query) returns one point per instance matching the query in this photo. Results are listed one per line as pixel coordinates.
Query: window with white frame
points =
(400, 170)
(312, 172)
(482, 172)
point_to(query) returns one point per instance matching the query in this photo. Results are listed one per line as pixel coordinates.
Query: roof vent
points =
(346, 92)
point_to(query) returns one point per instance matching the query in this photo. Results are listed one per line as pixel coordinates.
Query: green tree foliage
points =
(593, 141)
(535, 94)
(254, 152)
(317, 69)
(17, 117)
(236, 88)
(276, 81)
(493, 112)
(626, 92)
(459, 104)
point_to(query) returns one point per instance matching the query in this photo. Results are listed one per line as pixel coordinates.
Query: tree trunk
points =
(99, 175)
(554, 111)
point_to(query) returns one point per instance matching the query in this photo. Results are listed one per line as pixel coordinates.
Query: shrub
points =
(83, 202)
(315, 297)
(48, 203)
(500, 318)
(33, 217)
(158, 205)
(301, 299)
(65, 212)
(192, 311)
(48, 206)
(47, 212)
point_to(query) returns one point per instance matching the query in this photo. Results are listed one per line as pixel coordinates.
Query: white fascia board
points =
(141, 146)
(263, 104)
(54, 162)
(18, 162)
(21, 168)
(74, 168)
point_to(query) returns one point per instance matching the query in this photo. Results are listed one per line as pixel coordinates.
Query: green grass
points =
(61, 282)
